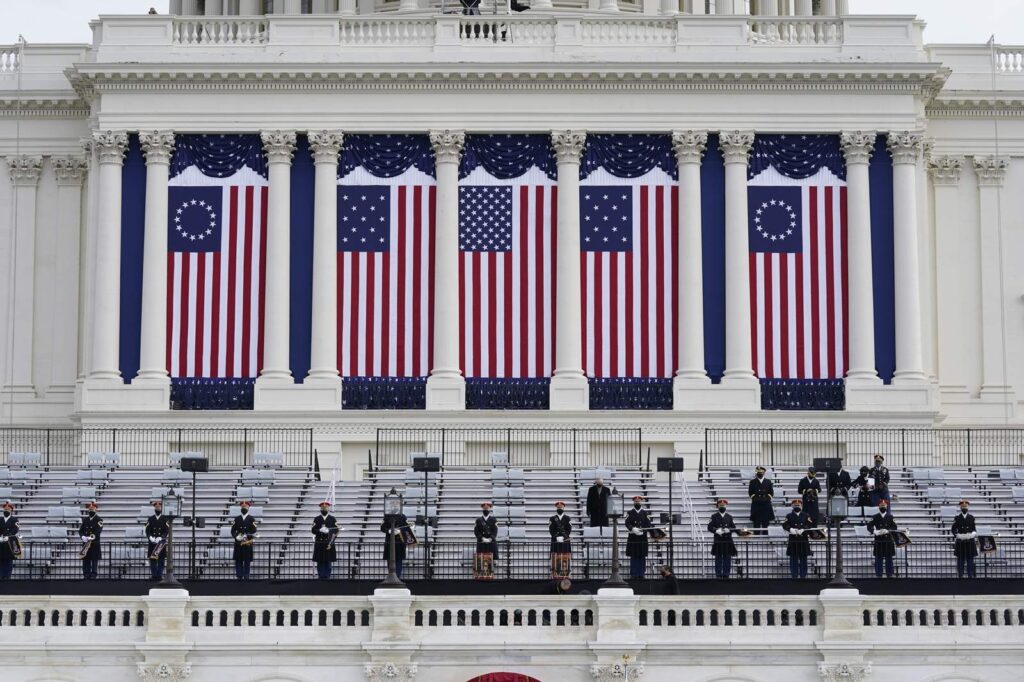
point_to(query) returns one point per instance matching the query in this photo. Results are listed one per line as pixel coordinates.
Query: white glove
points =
(3, 538)
(974, 534)
(881, 531)
(794, 531)
(324, 530)
(240, 537)
(485, 540)
(85, 538)
(154, 539)
(560, 538)
(637, 531)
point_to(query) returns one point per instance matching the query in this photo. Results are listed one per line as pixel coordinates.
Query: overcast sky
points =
(949, 21)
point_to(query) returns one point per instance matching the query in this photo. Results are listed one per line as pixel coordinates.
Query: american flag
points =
(507, 282)
(798, 276)
(217, 246)
(385, 279)
(629, 270)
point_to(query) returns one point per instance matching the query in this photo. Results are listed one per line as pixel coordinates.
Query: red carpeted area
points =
(504, 677)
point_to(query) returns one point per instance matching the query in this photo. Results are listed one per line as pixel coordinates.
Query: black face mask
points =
(486, 512)
(7, 513)
(636, 505)
(92, 513)
(963, 510)
(559, 512)
(760, 475)
(721, 509)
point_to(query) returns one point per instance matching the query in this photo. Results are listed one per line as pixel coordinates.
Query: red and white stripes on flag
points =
(215, 297)
(799, 301)
(385, 294)
(630, 307)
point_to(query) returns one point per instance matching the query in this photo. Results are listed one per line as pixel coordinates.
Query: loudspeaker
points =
(830, 465)
(199, 465)
(673, 464)
(426, 464)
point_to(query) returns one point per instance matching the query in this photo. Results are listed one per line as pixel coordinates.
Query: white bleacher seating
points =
(414, 478)
(512, 495)
(92, 476)
(25, 459)
(588, 476)
(748, 473)
(174, 458)
(499, 458)
(159, 491)
(412, 510)
(6, 494)
(1020, 475)
(508, 477)
(132, 551)
(1011, 476)
(591, 534)
(5, 474)
(103, 459)
(268, 459)
(47, 533)
(948, 512)
(513, 514)
(947, 494)
(258, 476)
(255, 494)
(60, 514)
(861, 533)
(255, 512)
(172, 476)
(77, 494)
(514, 533)
(1018, 494)
(777, 533)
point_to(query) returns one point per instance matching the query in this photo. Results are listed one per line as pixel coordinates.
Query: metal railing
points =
(469, 447)
(901, 447)
(150, 447)
(758, 558)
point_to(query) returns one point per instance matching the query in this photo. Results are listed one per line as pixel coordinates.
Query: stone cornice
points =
(41, 105)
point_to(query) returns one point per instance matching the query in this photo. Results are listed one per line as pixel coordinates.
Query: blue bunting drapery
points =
(507, 394)
(218, 156)
(628, 156)
(797, 156)
(386, 156)
(204, 393)
(508, 156)
(384, 393)
(630, 394)
(803, 394)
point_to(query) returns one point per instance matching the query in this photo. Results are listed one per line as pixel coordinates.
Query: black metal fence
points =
(901, 447)
(150, 447)
(525, 447)
(758, 558)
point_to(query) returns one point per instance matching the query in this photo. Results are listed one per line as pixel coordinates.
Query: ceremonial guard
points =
(863, 491)
(798, 545)
(638, 520)
(597, 503)
(560, 529)
(325, 531)
(243, 530)
(392, 528)
(881, 526)
(810, 489)
(90, 531)
(965, 548)
(880, 475)
(10, 543)
(840, 482)
(761, 492)
(157, 530)
(723, 548)
(486, 531)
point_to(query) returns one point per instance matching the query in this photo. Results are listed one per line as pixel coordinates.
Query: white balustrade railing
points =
(387, 31)
(219, 31)
(632, 31)
(1009, 59)
(796, 31)
(10, 62)
(500, 30)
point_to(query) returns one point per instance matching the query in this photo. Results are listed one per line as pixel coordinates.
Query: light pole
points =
(392, 507)
(172, 508)
(616, 504)
(838, 508)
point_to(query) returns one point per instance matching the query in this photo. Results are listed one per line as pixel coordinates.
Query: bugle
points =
(158, 549)
(15, 544)
(657, 534)
(86, 546)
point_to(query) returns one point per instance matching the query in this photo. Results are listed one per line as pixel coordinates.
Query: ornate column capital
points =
(991, 170)
(325, 145)
(844, 672)
(624, 671)
(857, 146)
(448, 144)
(736, 145)
(905, 146)
(279, 145)
(689, 145)
(945, 170)
(157, 145)
(110, 145)
(568, 145)
(390, 671)
(25, 170)
(70, 170)
(164, 672)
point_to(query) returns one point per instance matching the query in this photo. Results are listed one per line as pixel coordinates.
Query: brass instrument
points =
(408, 536)
(86, 546)
(657, 534)
(248, 541)
(744, 532)
(158, 549)
(483, 566)
(815, 533)
(900, 537)
(15, 543)
(332, 536)
(561, 564)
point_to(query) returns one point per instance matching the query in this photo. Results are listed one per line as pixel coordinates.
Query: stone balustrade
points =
(1009, 59)
(10, 60)
(796, 31)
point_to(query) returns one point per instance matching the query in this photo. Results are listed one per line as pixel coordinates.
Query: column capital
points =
(111, 145)
(325, 145)
(25, 170)
(991, 170)
(448, 144)
(157, 145)
(905, 146)
(279, 145)
(70, 170)
(568, 145)
(857, 146)
(736, 145)
(945, 170)
(689, 145)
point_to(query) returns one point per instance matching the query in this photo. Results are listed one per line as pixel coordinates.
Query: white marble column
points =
(803, 8)
(250, 8)
(325, 145)
(698, 6)
(995, 385)
(569, 387)
(70, 172)
(768, 8)
(24, 172)
(158, 146)
(280, 147)
(104, 367)
(608, 5)
(669, 7)
(347, 7)
(739, 371)
(214, 8)
(905, 148)
(827, 8)
(689, 148)
(292, 6)
(857, 148)
(446, 387)
(87, 261)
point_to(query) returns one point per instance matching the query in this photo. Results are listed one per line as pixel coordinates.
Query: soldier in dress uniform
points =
(157, 530)
(965, 548)
(243, 530)
(761, 492)
(560, 530)
(863, 494)
(881, 476)
(486, 531)
(90, 530)
(9, 529)
(880, 526)
(325, 531)
(638, 520)
(723, 548)
(597, 503)
(810, 489)
(840, 482)
(392, 529)
(798, 546)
